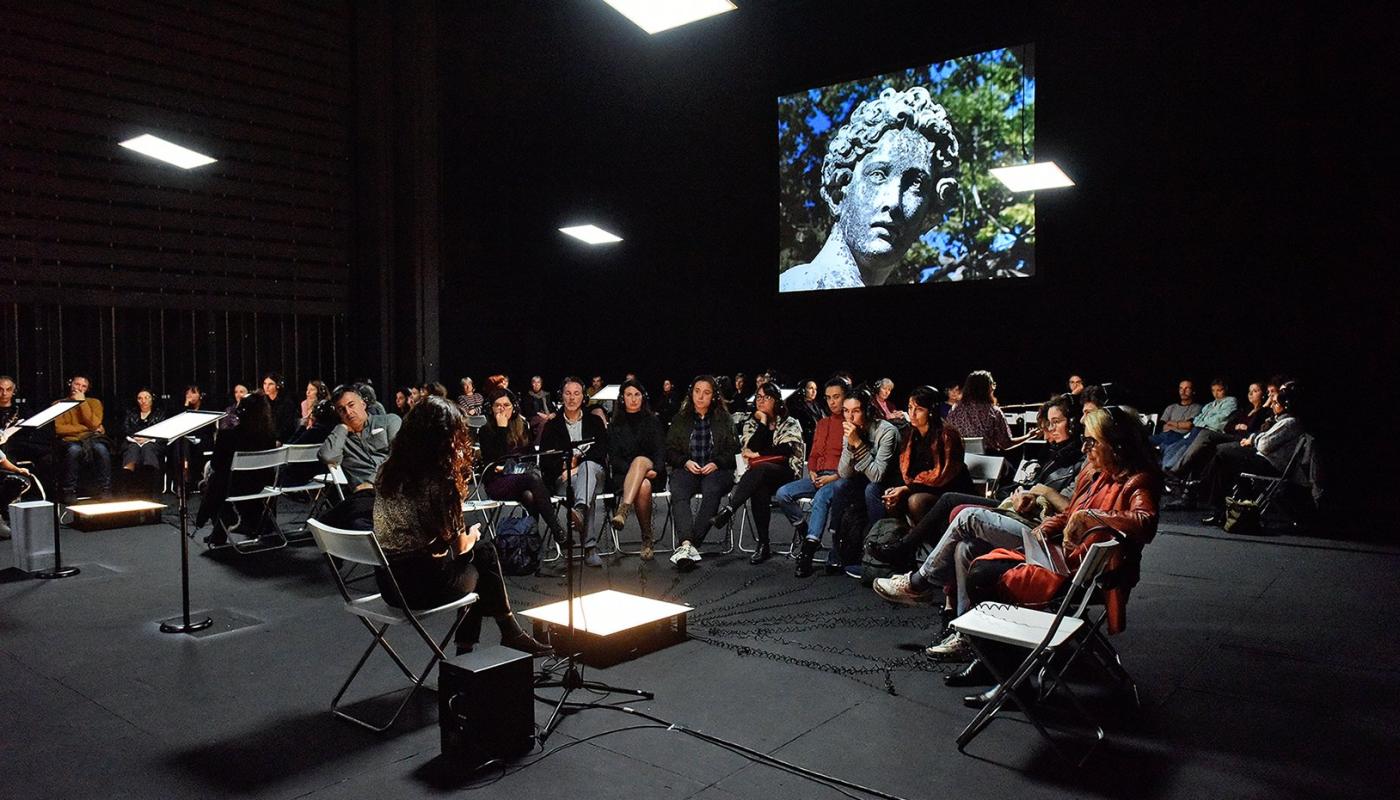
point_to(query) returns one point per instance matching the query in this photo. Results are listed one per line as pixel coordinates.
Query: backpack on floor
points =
(518, 545)
(887, 531)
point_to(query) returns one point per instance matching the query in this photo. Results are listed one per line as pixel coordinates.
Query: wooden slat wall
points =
(148, 275)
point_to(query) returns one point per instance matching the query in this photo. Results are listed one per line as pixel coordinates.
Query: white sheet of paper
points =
(179, 425)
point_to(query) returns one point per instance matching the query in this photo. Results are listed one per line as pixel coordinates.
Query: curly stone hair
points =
(913, 109)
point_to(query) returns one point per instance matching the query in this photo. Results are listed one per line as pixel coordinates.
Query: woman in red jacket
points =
(1119, 489)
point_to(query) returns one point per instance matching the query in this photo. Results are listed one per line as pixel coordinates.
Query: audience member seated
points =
(930, 462)
(883, 407)
(418, 521)
(360, 442)
(773, 452)
(286, 413)
(1263, 453)
(823, 456)
(1076, 385)
(951, 397)
(494, 382)
(1118, 490)
(1202, 449)
(433, 389)
(807, 406)
(469, 400)
(977, 414)
(25, 444)
(230, 419)
(1211, 422)
(739, 398)
(636, 462)
(83, 441)
(254, 431)
(1092, 398)
(316, 391)
(139, 453)
(403, 400)
(1176, 419)
(510, 474)
(669, 402)
(963, 537)
(700, 449)
(324, 418)
(12, 484)
(372, 405)
(194, 398)
(536, 406)
(585, 473)
(867, 452)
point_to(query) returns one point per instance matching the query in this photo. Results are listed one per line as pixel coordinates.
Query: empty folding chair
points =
(1052, 640)
(253, 478)
(301, 475)
(360, 547)
(973, 444)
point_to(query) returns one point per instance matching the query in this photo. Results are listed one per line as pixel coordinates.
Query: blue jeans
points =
(1166, 438)
(828, 504)
(789, 493)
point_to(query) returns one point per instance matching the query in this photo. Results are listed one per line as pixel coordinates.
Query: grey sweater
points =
(360, 454)
(872, 457)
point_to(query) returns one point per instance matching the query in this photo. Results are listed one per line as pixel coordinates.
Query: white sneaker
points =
(679, 554)
(954, 647)
(692, 553)
(896, 589)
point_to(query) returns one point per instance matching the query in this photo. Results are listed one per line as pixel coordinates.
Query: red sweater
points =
(826, 445)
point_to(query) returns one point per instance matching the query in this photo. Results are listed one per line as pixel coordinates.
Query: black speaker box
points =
(486, 705)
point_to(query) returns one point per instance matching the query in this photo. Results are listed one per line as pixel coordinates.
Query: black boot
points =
(974, 674)
(722, 517)
(804, 557)
(515, 637)
(762, 554)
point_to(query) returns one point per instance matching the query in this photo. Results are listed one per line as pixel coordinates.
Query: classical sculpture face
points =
(886, 203)
(886, 172)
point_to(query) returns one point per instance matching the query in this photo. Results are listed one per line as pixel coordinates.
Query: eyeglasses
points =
(1090, 442)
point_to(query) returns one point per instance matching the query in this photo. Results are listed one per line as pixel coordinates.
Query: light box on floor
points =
(611, 626)
(115, 514)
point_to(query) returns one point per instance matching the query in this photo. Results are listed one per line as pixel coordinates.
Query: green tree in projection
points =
(987, 232)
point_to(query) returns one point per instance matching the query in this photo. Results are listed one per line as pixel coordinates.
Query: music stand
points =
(573, 679)
(610, 392)
(174, 430)
(39, 420)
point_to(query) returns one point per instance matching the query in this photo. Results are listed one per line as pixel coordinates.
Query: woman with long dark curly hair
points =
(418, 521)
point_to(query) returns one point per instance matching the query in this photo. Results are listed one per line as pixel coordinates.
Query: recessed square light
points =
(1030, 177)
(591, 234)
(654, 16)
(169, 152)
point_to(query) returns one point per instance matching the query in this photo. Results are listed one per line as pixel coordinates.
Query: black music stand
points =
(573, 679)
(175, 430)
(39, 420)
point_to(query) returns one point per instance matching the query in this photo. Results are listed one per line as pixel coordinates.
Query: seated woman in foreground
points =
(418, 521)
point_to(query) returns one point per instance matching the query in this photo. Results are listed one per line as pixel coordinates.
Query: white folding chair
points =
(657, 543)
(360, 547)
(985, 470)
(1047, 636)
(253, 477)
(973, 444)
(300, 474)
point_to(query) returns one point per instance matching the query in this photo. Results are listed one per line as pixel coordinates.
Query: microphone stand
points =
(573, 679)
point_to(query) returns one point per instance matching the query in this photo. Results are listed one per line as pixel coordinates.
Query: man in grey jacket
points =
(866, 455)
(360, 443)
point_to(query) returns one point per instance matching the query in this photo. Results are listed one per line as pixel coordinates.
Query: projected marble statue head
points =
(888, 172)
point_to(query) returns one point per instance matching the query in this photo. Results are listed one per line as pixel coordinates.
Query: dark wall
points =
(144, 274)
(1216, 227)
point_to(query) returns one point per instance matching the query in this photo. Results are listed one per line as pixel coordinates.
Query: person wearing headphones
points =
(867, 451)
(509, 475)
(773, 452)
(1118, 491)
(286, 412)
(636, 460)
(700, 449)
(1264, 453)
(585, 472)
